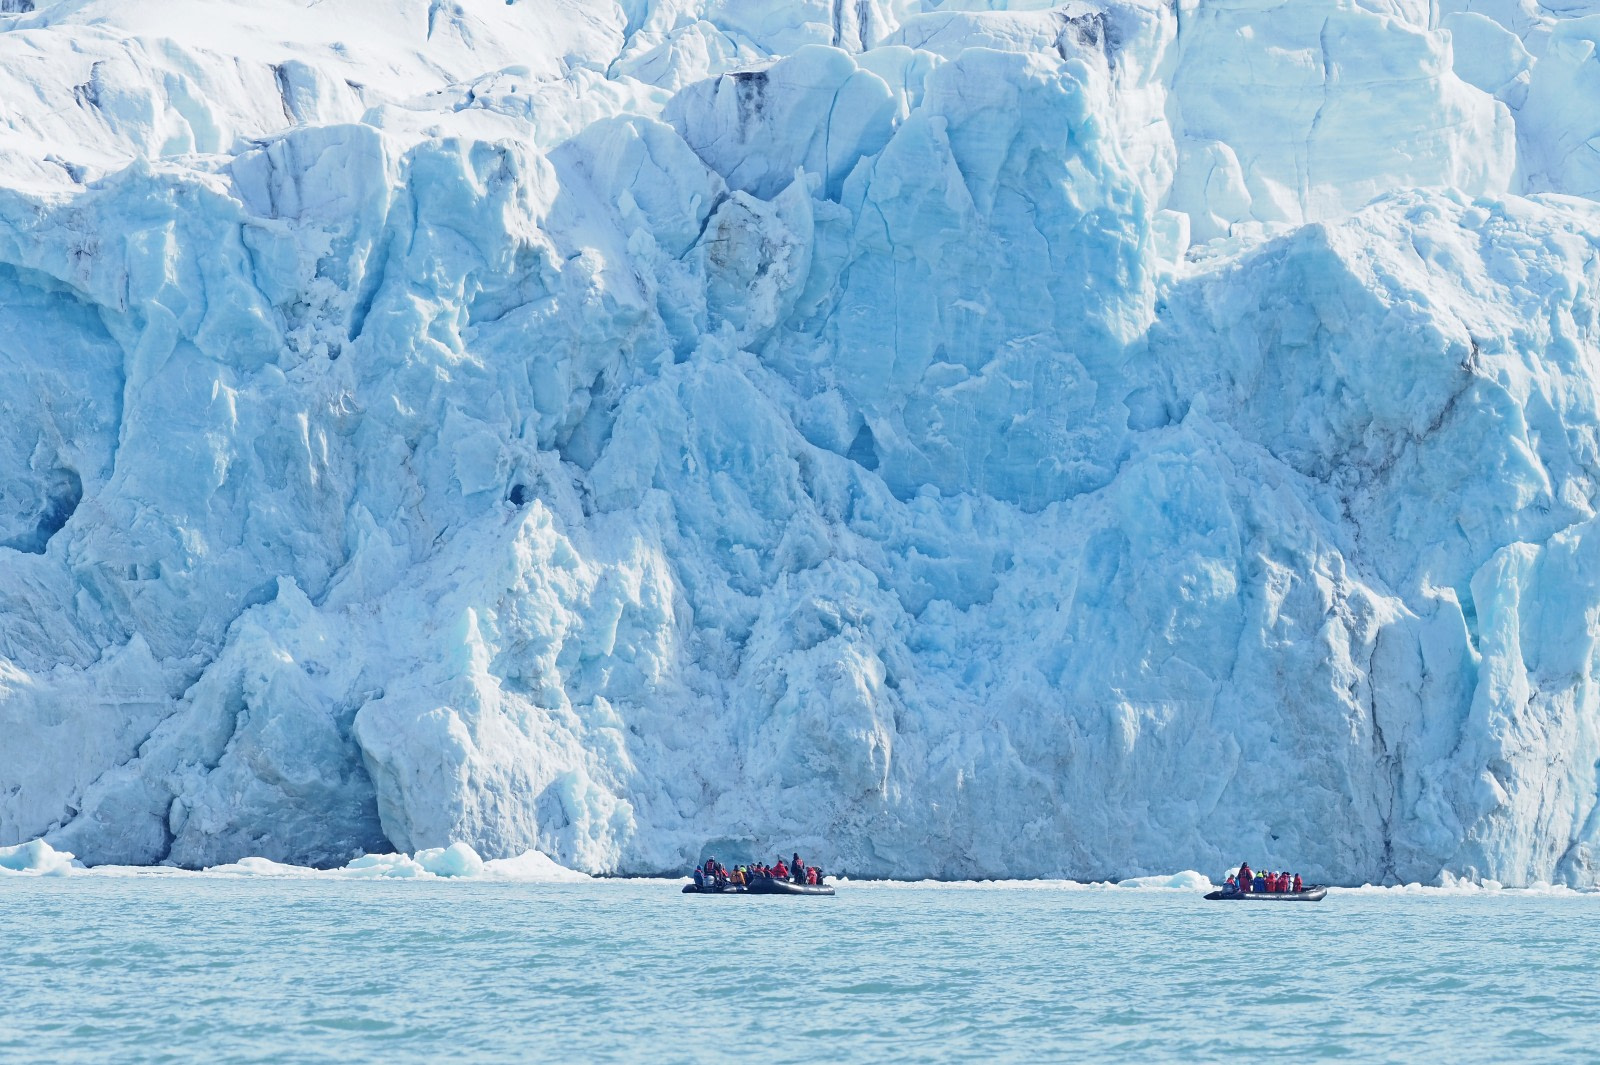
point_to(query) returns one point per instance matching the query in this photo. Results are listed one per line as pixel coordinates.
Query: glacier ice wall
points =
(954, 439)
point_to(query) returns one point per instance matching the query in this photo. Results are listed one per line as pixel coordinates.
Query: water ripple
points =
(173, 969)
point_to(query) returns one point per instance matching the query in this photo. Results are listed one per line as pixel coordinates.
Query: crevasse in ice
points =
(952, 439)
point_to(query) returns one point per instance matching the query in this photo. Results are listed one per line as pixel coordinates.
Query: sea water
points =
(187, 968)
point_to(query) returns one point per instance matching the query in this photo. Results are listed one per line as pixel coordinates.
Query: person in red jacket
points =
(780, 871)
(1297, 887)
(1244, 876)
(811, 874)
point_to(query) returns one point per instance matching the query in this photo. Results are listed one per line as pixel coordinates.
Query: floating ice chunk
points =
(36, 858)
(392, 866)
(1459, 886)
(533, 867)
(458, 859)
(1449, 881)
(259, 867)
(1188, 880)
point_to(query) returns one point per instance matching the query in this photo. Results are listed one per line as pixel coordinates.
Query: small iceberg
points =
(35, 858)
(1187, 880)
(456, 860)
(258, 867)
(535, 868)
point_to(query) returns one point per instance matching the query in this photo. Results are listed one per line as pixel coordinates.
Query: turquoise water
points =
(173, 968)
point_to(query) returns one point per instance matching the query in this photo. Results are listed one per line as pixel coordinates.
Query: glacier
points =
(952, 438)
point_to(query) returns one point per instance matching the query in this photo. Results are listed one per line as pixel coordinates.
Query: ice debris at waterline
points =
(455, 862)
(995, 443)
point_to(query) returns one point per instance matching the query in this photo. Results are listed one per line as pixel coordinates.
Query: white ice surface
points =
(35, 858)
(953, 442)
(455, 862)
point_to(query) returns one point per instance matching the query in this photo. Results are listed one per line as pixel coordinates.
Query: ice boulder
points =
(534, 867)
(1188, 881)
(458, 859)
(35, 858)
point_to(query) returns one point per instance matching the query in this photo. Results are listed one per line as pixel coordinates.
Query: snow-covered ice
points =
(1074, 440)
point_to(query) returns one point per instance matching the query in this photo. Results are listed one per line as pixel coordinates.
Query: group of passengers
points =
(1256, 883)
(713, 874)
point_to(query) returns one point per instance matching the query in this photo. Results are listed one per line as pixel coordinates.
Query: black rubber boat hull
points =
(761, 886)
(1315, 893)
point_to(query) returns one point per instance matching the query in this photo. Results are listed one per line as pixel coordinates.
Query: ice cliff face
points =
(1075, 440)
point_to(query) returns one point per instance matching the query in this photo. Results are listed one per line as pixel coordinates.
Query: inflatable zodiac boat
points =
(760, 885)
(1312, 893)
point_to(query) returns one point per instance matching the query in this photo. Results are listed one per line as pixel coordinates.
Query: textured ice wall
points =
(627, 429)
